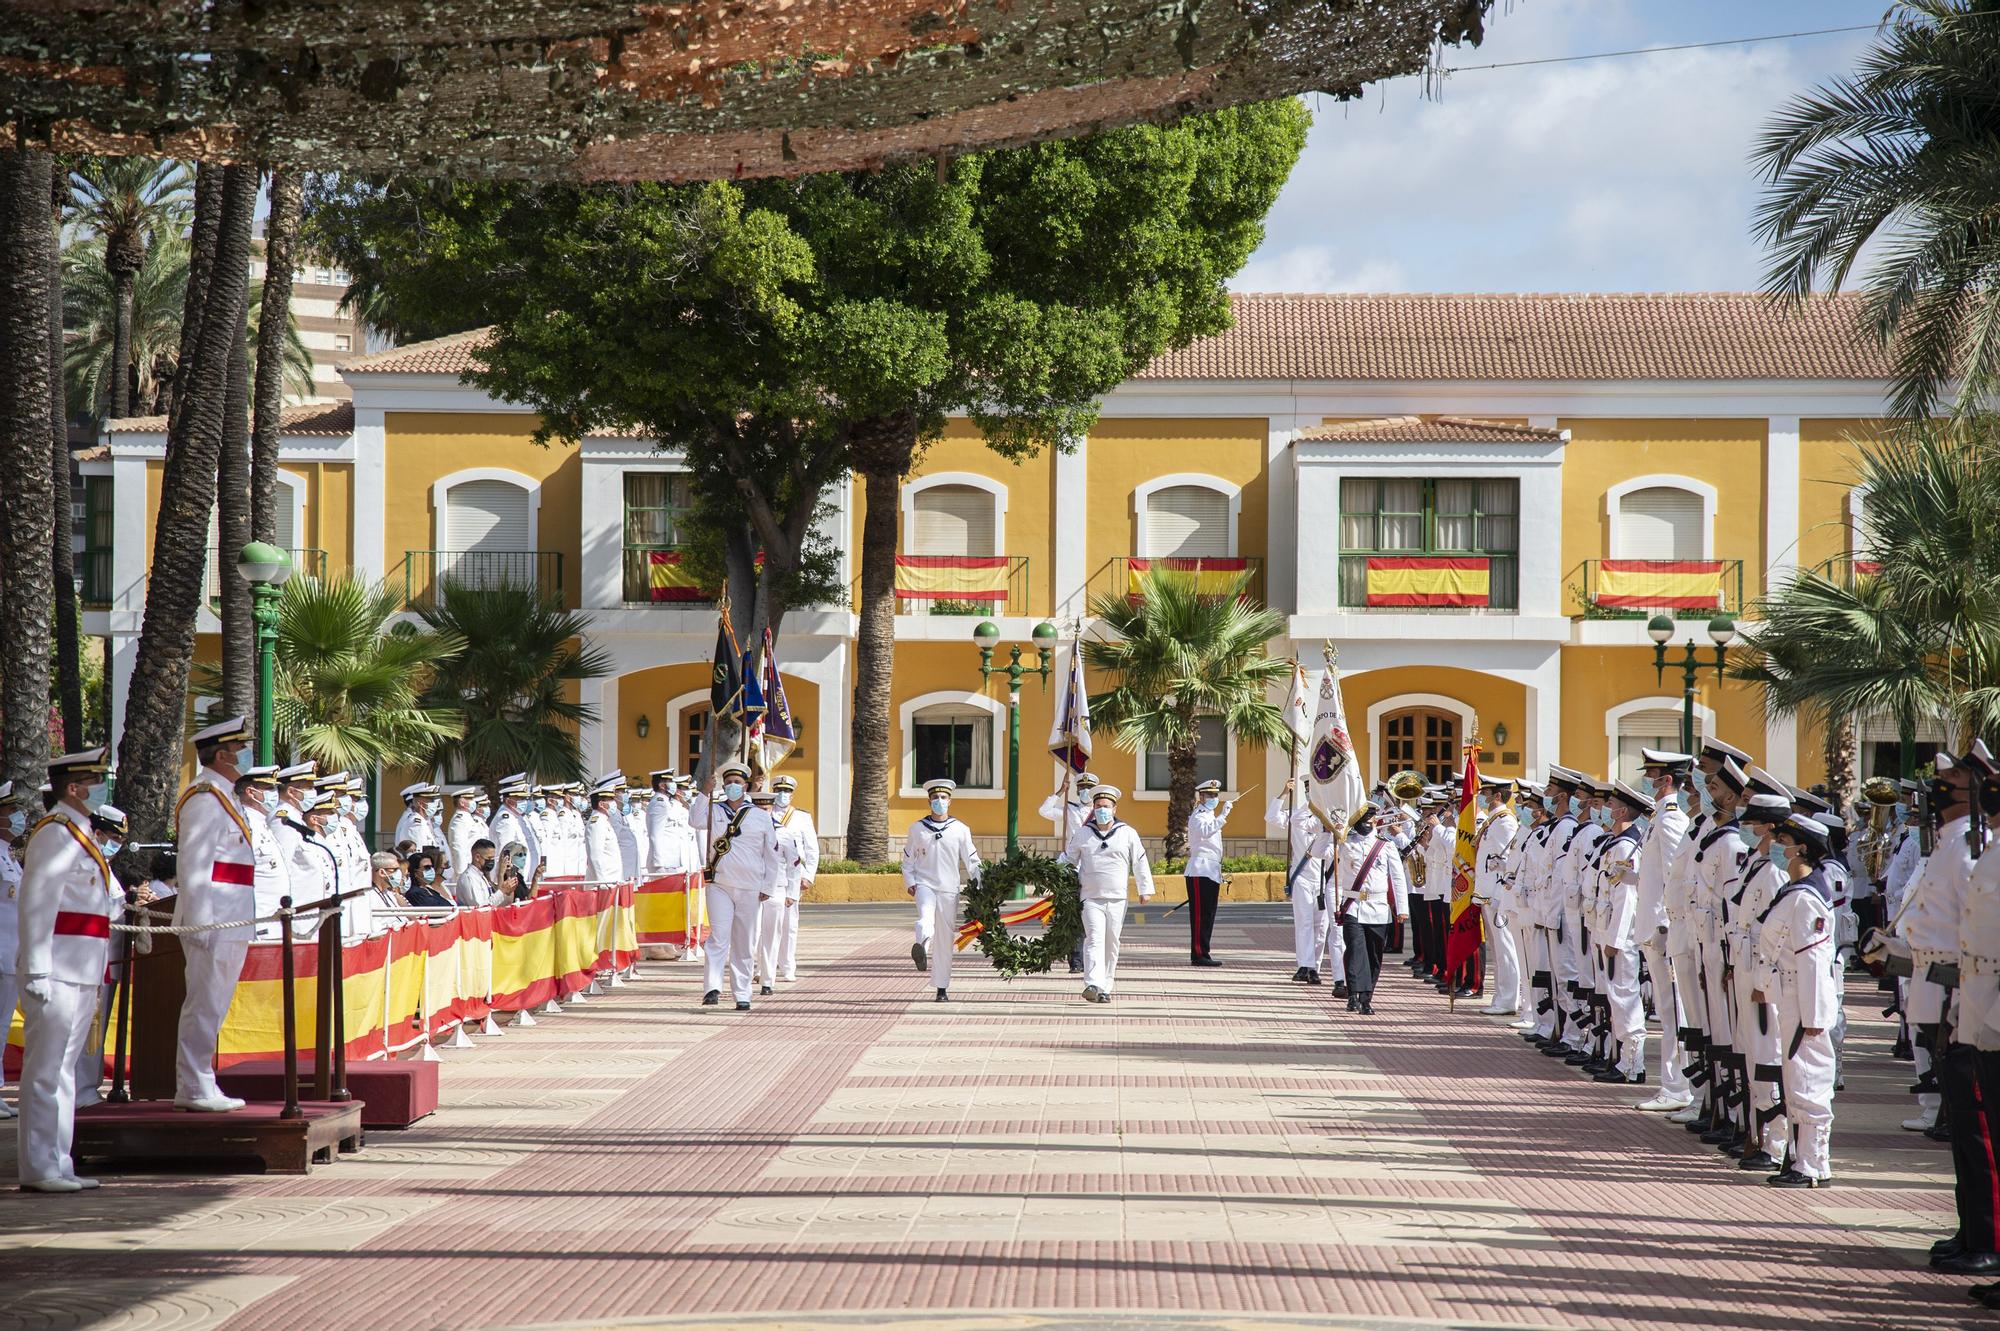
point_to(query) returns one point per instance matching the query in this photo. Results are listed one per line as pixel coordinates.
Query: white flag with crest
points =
(1333, 775)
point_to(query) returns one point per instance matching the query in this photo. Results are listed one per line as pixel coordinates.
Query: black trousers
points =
(1364, 956)
(1437, 919)
(1971, 1082)
(1203, 893)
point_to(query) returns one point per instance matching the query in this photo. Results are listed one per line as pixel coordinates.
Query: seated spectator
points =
(510, 883)
(475, 881)
(421, 884)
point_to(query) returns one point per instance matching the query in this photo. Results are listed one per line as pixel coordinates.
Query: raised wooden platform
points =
(397, 1092)
(154, 1134)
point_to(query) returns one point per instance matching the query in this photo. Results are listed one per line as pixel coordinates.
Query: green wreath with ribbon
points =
(990, 907)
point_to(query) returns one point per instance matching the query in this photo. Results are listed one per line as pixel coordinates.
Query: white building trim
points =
(520, 480)
(1614, 497)
(371, 493)
(906, 716)
(1402, 702)
(972, 480)
(1069, 529)
(675, 706)
(1144, 492)
(1782, 484)
(1704, 715)
(294, 486)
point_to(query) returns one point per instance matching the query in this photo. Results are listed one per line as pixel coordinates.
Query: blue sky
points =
(1626, 174)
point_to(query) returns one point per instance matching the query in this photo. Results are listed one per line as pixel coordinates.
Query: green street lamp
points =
(1721, 632)
(265, 567)
(986, 635)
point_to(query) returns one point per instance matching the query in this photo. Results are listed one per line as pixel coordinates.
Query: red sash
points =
(84, 925)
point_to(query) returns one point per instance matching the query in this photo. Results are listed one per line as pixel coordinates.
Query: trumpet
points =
(1406, 786)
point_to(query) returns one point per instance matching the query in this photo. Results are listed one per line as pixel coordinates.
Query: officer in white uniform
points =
(217, 861)
(1489, 876)
(513, 824)
(1929, 922)
(1528, 840)
(1373, 893)
(938, 859)
(1109, 857)
(575, 805)
(462, 829)
(1658, 911)
(666, 819)
(743, 868)
(1305, 874)
(1204, 869)
(1796, 971)
(418, 825)
(603, 862)
(798, 848)
(67, 902)
(623, 828)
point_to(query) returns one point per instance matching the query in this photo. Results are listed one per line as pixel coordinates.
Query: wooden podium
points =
(159, 984)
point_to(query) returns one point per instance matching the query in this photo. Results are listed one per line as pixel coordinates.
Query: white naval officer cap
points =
(1084, 781)
(417, 788)
(333, 780)
(512, 787)
(1207, 786)
(662, 774)
(1665, 758)
(297, 774)
(264, 775)
(230, 728)
(784, 783)
(607, 785)
(109, 817)
(84, 762)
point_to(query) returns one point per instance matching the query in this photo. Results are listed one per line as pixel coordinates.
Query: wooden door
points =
(693, 733)
(1423, 740)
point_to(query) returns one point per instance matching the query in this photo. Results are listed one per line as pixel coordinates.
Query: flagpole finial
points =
(1332, 653)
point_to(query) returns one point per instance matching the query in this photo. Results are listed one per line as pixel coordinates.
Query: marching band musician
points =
(1373, 894)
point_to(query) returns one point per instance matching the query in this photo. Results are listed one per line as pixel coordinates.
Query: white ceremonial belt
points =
(1981, 965)
(1924, 956)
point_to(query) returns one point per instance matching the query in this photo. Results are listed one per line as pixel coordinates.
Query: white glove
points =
(38, 988)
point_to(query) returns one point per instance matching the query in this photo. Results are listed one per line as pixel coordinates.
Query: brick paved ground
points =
(1217, 1148)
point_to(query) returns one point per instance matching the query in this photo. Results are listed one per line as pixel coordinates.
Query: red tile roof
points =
(1432, 430)
(311, 418)
(1664, 336)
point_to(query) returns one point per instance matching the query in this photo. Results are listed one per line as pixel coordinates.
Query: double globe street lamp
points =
(987, 635)
(1661, 628)
(266, 568)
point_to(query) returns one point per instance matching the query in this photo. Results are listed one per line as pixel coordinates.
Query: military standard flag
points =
(1465, 929)
(1333, 777)
(1069, 737)
(781, 731)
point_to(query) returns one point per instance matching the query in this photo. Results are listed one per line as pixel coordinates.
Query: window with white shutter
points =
(1659, 522)
(285, 501)
(487, 537)
(1654, 728)
(1185, 522)
(951, 520)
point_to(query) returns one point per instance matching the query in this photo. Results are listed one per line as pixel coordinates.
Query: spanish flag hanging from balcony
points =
(1212, 577)
(1659, 584)
(952, 577)
(1428, 580)
(668, 580)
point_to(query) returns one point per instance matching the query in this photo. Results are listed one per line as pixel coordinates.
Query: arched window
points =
(1660, 522)
(952, 520)
(1186, 522)
(486, 530)
(950, 735)
(1650, 724)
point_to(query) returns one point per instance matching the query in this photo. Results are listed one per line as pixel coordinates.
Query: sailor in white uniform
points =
(1109, 858)
(743, 869)
(1304, 878)
(798, 848)
(938, 859)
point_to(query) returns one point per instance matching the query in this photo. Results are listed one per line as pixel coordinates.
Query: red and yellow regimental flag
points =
(1463, 934)
(1410, 580)
(669, 580)
(1666, 584)
(951, 577)
(1212, 577)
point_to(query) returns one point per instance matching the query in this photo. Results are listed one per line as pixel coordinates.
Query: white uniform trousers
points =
(1308, 920)
(1758, 1044)
(1620, 979)
(1335, 944)
(943, 932)
(90, 1058)
(1504, 975)
(1570, 970)
(1673, 1016)
(733, 915)
(1524, 962)
(1545, 959)
(54, 1031)
(213, 965)
(926, 913)
(1924, 1006)
(778, 940)
(1808, 1089)
(1103, 922)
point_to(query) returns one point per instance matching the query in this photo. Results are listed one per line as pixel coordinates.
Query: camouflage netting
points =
(613, 89)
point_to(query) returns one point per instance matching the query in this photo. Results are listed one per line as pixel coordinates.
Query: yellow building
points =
(1556, 468)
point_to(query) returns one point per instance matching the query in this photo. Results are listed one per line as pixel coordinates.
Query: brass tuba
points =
(1880, 796)
(1406, 786)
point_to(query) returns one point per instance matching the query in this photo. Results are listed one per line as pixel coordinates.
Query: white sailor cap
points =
(763, 796)
(933, 787)
(1806, 800)
(1980, 759)
(263, 775)
(418, 788)
(1732, 776)
(1630, 797)
(1208, 785)
(297, 774)
(1807, 829)
(1760, 780)
(1105, 790)
(733, 769)
(111, 817)
(1716, 751)
(784, 783)
(1562, 778)
(233, 728)
(1831, 821)
(1767, 808)
(1666, 758)
(84, 762)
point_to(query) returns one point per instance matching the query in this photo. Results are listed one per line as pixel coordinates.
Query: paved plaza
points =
(1214, 1149)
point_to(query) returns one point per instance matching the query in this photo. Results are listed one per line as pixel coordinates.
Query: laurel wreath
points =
(1024, 874)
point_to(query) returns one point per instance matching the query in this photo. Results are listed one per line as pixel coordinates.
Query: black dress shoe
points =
(1340, 988)
(1902, 1052)
(1353, 1004)
(1948, 1247)
(1699, 1126)
(1299, 975)
(943, 996)
(1791, 1178)
(1761, 1160)
(1969, 1264)
(1580, 1057)
(1312, 977)
(742, 1007)
(1557, 1049)
(712, 998)
(766, 991)
(1367, 1008)
(918, 955)
(1614, 1077)
(1204, 961)
(1717, 1135)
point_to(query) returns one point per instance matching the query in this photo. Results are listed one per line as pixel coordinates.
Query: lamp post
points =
(1721, 632)
(265, 567)
(986, 635)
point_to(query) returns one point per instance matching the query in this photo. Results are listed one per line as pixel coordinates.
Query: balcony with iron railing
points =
(979, 586)
(1845, 570)
(1642, 588)
(1126, 574)
(424, 572)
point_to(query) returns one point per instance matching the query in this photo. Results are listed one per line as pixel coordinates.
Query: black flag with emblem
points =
(727, 681)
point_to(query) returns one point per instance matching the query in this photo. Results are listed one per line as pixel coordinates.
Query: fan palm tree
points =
(1179, 654)
(1896, 161)
(129, 204)
(520, 652)
(350, 689)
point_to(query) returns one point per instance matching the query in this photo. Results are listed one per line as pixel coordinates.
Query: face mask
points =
(112, 847)
(429, 874)
(345, 803)
(624, 804)
(518, 861)
(1101, 816)
(938, 807)
(17, 822)
(1780, 857)
(1549, 804)
(1600, 816)
(360, 808)
(1209, 802)
(783, 799)
(732, 791)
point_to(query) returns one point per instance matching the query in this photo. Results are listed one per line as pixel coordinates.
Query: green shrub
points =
(851, 866)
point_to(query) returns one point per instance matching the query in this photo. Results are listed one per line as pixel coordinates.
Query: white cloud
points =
(1619, 174)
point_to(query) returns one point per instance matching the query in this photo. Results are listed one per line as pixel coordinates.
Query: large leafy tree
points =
(129, 204)
(1175, 655)
(1890, 172)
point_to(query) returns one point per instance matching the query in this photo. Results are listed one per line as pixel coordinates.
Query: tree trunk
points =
(883, 452)
(1842, 749)
(123, 279)
(1183, 764)
(232, 527)
(62, 548)
(203, 233)
(26, 263)
(150, 751)
(281, 230)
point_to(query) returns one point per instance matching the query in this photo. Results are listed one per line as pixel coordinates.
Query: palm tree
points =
(1895, 162)
(1179, 654)
(520, 654)
(350, 689)
(128, 203)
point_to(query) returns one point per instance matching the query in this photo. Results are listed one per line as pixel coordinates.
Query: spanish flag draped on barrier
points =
(672, 909)
(417, 982)
(1465, 929)
(952, 577)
